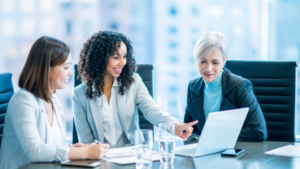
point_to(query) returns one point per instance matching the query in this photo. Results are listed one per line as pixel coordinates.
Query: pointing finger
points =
(191, 123)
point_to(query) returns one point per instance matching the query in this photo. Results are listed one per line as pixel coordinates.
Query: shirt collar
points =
(216, 84)
(115, 83)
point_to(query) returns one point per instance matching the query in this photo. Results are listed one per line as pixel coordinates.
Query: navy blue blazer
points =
(237, 93)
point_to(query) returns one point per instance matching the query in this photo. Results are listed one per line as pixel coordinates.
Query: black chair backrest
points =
(146, 73)
(6, 92)
(274, 85)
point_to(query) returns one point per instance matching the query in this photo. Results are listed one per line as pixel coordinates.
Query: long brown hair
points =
(46, 52)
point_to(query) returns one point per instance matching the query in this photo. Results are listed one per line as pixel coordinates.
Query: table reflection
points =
(254, 157)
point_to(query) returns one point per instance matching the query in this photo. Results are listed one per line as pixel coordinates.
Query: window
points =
(8, 6)
(8, 27)
(28, 27)
(27, 6)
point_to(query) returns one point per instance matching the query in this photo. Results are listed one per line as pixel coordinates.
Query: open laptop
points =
(220, 132)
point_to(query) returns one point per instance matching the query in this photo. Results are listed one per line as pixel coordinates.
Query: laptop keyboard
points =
(187, 149)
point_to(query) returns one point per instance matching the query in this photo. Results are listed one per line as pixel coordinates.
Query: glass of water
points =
(143, 146)
(167, 142)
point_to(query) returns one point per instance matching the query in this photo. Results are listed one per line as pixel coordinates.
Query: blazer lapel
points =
(228, 84)
(60, 119)
(226, 105)
(196, 106)
(97, 116)
(121, 108)
(197, 113)
(43, 110)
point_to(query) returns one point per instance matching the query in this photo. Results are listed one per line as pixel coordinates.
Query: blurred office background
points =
(163, 33)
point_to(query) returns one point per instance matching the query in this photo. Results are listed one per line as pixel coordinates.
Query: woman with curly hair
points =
(105, 104)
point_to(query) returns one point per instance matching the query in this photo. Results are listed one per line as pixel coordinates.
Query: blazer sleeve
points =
(254, 128)
(83, 128)
(22, 113)
(147, 105)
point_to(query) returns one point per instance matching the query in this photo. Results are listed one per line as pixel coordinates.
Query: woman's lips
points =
(118, 71)
(208, 75)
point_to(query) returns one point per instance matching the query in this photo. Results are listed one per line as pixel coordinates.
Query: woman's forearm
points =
(77, 153)
(92, 151)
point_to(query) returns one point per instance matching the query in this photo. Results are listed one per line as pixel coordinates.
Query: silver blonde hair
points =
(208, 42)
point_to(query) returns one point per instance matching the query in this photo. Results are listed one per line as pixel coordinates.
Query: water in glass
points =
(144, 157)
(167, 142)
(144, 146)
(167, 147)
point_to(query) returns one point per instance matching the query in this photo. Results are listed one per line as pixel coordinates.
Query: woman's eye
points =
(124, 56)
(66, 68)
(116, 58)
(203, 61)
(215, 63)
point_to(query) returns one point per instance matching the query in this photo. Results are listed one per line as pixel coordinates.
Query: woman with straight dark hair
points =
(34, 128)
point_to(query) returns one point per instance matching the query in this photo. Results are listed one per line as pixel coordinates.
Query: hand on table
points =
(97, 151)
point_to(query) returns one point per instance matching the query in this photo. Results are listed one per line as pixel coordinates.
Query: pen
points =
(97, 142)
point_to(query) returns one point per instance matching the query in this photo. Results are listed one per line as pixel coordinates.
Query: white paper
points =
(288, 150)
(121, 152)
(129, 159)
(126, 155)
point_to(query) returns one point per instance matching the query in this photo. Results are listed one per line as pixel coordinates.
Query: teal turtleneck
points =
(212, 95)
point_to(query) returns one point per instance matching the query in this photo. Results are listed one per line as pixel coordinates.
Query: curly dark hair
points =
(94, 58)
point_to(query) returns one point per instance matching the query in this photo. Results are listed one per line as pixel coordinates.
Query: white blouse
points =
(113, 132)
(55, 136)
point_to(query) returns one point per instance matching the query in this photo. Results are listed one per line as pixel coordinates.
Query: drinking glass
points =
(167, 142)
(143, 146)
(166, 166)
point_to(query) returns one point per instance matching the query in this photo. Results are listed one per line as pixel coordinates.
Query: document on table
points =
(129, 159)
(288, 150)
(126, 155)
(121, 152)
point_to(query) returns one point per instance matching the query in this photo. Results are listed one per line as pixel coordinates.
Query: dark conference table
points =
(254, 157)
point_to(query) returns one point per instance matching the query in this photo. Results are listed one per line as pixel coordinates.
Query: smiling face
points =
(211, 66)
(60, 74)
(117, 61)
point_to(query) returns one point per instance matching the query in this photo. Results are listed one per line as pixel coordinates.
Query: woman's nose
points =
(209, 67)
(70, 72)
(122, 61)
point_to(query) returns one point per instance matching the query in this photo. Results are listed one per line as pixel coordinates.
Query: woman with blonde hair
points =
(218, 89)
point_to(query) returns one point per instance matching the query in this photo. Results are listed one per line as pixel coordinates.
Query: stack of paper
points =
(126, 155)
(288, 150)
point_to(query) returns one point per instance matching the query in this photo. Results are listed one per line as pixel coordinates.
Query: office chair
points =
(6, 92)
(146, 73)
(274, 85)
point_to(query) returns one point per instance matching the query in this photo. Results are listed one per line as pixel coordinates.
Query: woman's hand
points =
(78, 145)
(186, 127)
(96, 151)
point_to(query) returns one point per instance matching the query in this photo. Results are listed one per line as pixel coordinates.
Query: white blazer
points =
(26, 133)
(89, 119)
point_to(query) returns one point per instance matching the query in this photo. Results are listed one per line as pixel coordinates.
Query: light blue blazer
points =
(26, 134)
(89, 119)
